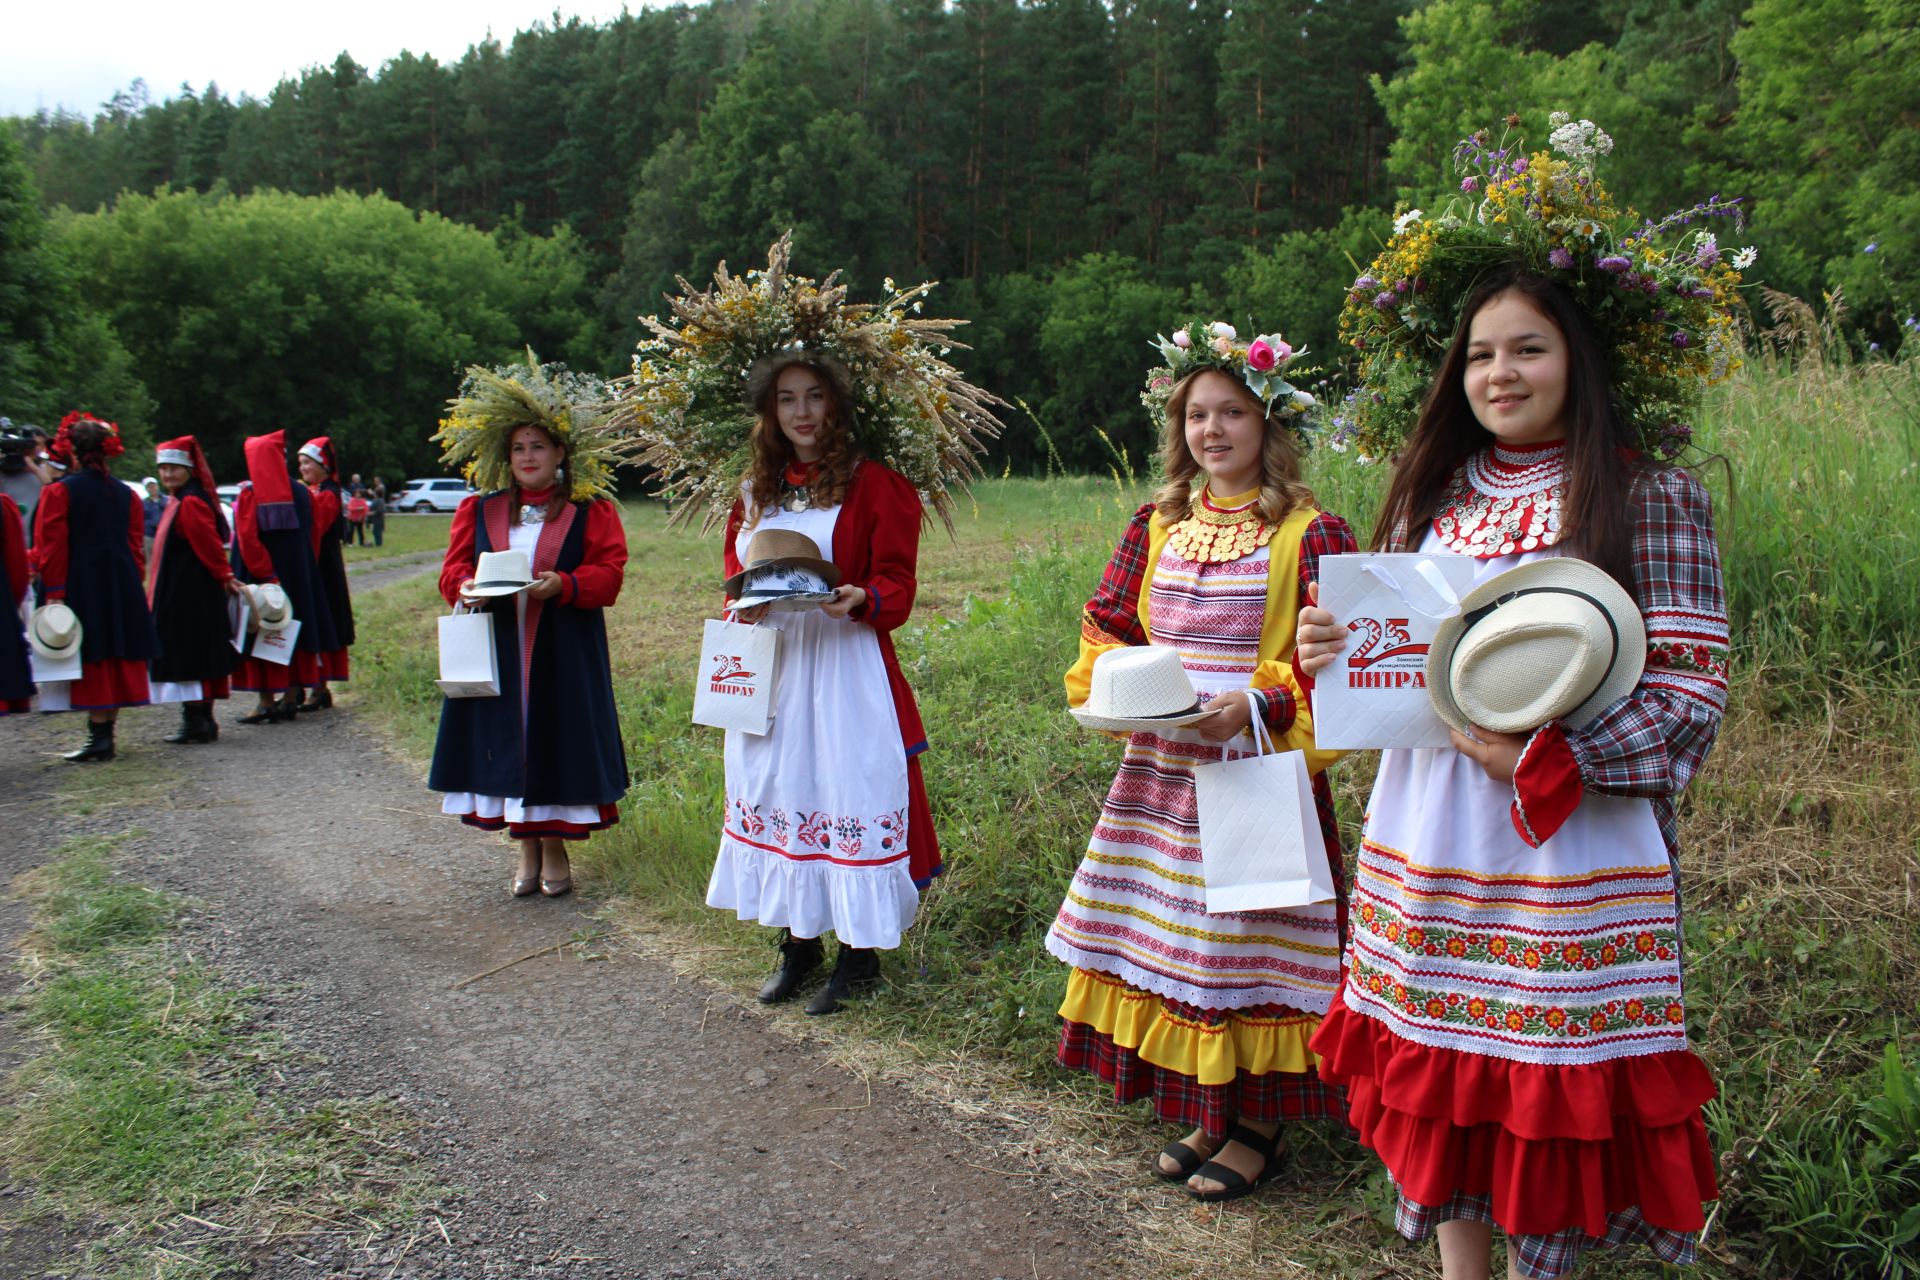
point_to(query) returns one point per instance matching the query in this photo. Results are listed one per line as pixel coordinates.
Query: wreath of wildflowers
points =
(1662, 295)
(1260, 363)
(477, 433)
(684, 412)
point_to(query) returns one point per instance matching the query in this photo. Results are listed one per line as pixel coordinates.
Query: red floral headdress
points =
(111, 447)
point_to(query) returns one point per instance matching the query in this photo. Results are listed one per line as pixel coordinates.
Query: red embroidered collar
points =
(1504, 500)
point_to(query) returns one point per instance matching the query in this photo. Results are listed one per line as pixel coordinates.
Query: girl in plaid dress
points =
(1206, 1015)
(1511, 1030)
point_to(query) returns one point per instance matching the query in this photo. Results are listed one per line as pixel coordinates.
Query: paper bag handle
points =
(1262, 741)
(1449, 600)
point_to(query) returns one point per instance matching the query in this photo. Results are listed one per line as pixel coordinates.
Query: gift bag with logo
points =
(276, 646)
(733, 688)
(469, 667)
(1261, 848)
(1374, 693)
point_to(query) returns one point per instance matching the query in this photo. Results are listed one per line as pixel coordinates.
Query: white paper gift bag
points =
(733, 689)
(53, 670)
(276, 646)
(1261, 848)
(469, 666)
(1374, 693)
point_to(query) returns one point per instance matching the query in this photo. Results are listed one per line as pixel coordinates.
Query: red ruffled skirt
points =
(1552, 1147)
(109, 683)
(252, 675)
(552, 829)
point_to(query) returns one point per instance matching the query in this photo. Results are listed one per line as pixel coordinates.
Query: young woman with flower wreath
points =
(543, 760)
(850, 416)
(320, 472)
(1206, 1015)
(1511, 1031)
(89, 538)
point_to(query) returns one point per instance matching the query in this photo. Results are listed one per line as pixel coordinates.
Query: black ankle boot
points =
(798, 958)
(318, 698)
(196, 724)
(99, 744)
(852, 967)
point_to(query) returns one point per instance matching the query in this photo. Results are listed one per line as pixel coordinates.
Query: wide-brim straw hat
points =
(54, 631)
(1139, 688)
(501, 573)
(783, 548)
(271, 608)
(1553, 639)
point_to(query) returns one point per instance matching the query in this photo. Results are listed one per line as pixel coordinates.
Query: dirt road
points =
(601, 1117)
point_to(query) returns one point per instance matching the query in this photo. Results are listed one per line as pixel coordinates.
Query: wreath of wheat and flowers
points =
(493, 402)
(683, 412)
(1663, 296)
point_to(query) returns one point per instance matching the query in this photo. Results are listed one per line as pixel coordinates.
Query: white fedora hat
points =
(1140, 687)
(501, 573)
(271, 608)
(54, 631)
(1556, 638)
(782, 586)
(782, 549)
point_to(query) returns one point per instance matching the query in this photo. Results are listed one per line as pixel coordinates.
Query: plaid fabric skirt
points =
(1546, 1257)
(1179, 1099)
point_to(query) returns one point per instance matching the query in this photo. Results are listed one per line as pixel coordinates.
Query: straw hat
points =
(54, 631)
(783, 549)
(271, 608)
(1553, 639)
(1139, 687)
(501, 573)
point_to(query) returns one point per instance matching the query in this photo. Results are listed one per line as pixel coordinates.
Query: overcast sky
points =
(77, 53)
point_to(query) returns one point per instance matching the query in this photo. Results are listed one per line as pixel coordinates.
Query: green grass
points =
(1798, 840)
(141, 1111)
(405, 535)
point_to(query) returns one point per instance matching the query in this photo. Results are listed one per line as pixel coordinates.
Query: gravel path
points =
(600, 1119)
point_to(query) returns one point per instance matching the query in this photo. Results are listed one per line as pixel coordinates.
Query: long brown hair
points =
(1597, 516)
(562, 492)
(1281, 490)
(772, 451)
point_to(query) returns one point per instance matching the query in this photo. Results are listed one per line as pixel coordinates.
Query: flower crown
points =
(111, 447)
(1662, 300)
(477, 433)
(684, 411)
(1260, 364)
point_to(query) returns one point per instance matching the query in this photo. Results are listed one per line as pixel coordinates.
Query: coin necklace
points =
(1214, 534)
(795, 493)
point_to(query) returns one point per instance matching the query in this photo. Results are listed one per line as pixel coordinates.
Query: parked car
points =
(432, 495)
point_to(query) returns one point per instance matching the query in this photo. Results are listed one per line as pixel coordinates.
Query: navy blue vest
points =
(103, 581)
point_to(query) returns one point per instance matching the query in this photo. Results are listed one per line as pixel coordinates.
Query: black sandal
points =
(1233, 1184)
(1181, 1154)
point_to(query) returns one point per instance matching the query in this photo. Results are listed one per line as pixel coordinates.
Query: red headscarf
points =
(272, 486)
(320, 449)
(186, 452)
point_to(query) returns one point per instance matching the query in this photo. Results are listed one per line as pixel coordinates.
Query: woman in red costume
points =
(273, 542)
(16, 671)
(187, 587)
(88, 538)
(320, 472)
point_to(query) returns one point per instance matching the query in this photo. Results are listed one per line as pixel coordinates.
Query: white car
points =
(432, 495)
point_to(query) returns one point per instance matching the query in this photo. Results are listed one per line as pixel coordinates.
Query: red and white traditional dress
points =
(827, 823)
(1512, 1029)
(1207, 1015)
(89, 543)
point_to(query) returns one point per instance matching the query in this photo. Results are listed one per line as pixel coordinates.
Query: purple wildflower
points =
(1386, 299)
(1874, 247)
(1366, 282)
(1520, 165)
(1679, 339)
(1614, 262)
(1401, 286)
(1560, 258)
(1470, 183)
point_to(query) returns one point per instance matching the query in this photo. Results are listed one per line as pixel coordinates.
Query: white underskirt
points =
(183, 691)
(515, 810)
